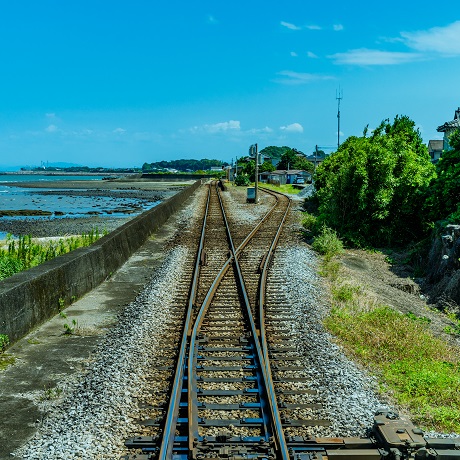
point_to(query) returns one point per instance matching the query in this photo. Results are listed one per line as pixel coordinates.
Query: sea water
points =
(69, 205)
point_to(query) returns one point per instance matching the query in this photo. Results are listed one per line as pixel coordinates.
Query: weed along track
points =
(221, 355)
(231, 383)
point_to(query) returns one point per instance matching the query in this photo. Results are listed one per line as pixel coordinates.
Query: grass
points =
(25, 253)
(288, 188)
(419, 370)
(6, 360)
(328, 243)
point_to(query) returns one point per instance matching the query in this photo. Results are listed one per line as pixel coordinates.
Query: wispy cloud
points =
(290, 25)
(337, 27)
(297, 78)
(225, 126)
(292, 128)
(368, 57)
(51, 116)
(265, 130)
(313, 27)
(51, 129)
(443, 40)
(312, 55)
(119, 131)
(293, 54)
(211, 19)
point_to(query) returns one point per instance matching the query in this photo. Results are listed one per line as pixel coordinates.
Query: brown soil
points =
(391, 284)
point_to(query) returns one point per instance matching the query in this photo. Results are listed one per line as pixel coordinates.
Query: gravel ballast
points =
(97, 410)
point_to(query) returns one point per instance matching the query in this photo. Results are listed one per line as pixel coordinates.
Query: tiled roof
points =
(448, 125)
(436, 144)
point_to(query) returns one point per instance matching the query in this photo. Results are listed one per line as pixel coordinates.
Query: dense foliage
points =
(444, 194)
(247, 168)
(371, 189)
(183, 165)
(294, 159)
(273, 151)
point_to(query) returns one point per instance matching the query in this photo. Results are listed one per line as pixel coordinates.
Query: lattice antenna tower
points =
(339, 97)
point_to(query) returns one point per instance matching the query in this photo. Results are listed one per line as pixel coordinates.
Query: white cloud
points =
(119, 131)
(367, 57)
(292, 128)
(294, 54)
(260, 130)
(313, 27)
(225, 126)
(212, 20)
(312, 55)
(297, 78)
(444, 40)
(51, 129)
(290, 26)
(337, 27)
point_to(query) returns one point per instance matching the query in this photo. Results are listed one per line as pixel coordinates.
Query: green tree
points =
(372, 189)
(444, 195)
(266, 166)
(293, 159)
(273, 151)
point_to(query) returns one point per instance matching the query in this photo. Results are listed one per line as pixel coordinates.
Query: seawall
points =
(29, 298)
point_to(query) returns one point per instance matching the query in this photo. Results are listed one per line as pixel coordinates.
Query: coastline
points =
(146, 193)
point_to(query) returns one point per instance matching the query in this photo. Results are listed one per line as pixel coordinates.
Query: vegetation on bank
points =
(418, 370)
(23, 253)
(382, 189)
(287, 188)
(378, 191)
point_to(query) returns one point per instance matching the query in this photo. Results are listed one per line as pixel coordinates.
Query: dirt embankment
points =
(390, 281)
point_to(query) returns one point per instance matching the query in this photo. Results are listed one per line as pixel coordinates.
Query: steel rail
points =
(167, 443)
(263, 338)
(276, 427)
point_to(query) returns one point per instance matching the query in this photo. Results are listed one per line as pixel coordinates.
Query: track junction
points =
(237, 390)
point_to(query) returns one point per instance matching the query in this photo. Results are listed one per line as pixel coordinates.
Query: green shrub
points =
(4, 342)
(242, 179)
(328, 243)
(308, 221)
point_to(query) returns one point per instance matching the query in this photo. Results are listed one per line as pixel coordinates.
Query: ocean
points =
(66, 202)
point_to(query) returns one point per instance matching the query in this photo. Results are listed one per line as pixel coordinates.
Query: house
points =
(316, 159)
(449, 127)
(435, 148)
(282, 177)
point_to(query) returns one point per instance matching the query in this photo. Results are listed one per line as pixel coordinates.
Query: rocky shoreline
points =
(139, 196)
(64, 226)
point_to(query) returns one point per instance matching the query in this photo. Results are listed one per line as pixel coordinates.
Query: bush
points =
(328, 243)
(242, 179)
(308, 221)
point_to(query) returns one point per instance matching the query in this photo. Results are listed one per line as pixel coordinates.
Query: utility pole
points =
(339, 97)
(316, 157)
(256, 198)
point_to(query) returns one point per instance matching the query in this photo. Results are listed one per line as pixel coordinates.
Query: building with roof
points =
(448, 128)
(283, 177)
(435, 148)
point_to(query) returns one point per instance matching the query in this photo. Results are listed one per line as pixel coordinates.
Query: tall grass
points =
(328, 243)
(24, 253)
(419, 370)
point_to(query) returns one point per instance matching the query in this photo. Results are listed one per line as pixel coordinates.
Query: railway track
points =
(238, 390)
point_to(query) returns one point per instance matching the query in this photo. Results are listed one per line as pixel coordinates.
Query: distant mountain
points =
(9, 168)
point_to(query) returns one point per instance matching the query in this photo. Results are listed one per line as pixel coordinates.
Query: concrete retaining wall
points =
(29, 298)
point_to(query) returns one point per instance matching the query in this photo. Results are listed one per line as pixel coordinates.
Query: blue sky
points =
(118, 83)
